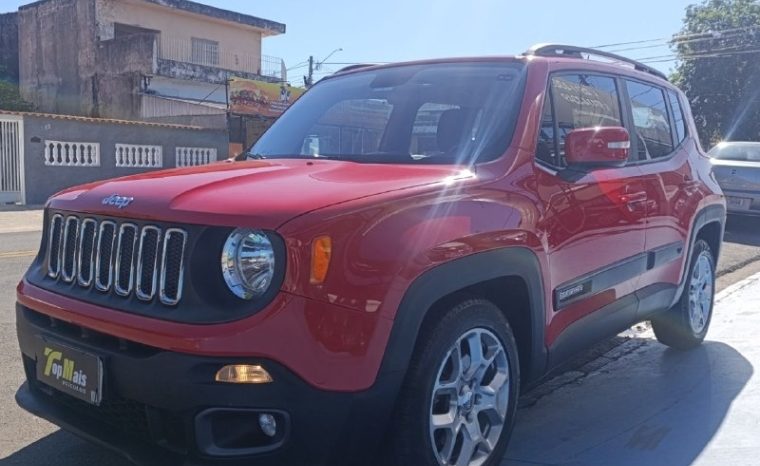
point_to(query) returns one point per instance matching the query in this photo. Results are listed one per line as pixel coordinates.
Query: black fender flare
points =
(715, 213)
(456, 275)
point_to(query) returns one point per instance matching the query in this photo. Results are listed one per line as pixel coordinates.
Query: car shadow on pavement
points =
(63, 449)
(654, 406)
(743, 230)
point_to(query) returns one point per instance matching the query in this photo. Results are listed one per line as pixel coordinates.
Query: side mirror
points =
(605, 146)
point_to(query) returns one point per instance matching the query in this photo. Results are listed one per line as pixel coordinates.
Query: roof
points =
(602, 66)
(55, 116)
(271, 27)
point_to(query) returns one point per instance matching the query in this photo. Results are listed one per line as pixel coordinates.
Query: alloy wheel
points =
(470, 400)
(701, 293)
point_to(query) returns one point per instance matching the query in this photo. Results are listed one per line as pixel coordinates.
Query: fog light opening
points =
(243, 373)
(268, 425)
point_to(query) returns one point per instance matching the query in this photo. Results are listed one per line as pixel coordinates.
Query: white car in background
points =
(737, 168)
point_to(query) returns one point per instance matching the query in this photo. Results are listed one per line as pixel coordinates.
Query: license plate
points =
(70, 371)
(738, 202)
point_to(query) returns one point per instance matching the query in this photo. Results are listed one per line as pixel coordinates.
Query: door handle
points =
(633, 198)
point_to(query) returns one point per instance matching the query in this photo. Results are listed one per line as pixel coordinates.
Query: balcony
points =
(208, 61)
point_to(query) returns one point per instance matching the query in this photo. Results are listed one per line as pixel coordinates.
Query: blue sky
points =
(394, 30)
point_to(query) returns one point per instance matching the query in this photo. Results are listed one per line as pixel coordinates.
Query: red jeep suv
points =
(406, 249)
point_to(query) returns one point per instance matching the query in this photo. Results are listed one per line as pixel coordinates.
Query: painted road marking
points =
(17, 254)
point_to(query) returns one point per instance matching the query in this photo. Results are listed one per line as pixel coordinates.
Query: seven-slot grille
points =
(123, 258)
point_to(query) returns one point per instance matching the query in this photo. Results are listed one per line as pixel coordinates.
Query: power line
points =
(640, 48)
(707, 54)
(646, 41)
(677, 40)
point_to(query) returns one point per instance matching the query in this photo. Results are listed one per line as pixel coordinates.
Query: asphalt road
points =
(26, 440)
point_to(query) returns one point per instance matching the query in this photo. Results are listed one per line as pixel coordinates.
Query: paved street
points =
(644, 404)
(636, 404)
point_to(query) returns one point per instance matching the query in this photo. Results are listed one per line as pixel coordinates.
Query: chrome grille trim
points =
(82, 280)
(71, 223)
(119, 287)
(140, 263)
(55, 221)
(101, 261)
(111, 255)
(165, 297)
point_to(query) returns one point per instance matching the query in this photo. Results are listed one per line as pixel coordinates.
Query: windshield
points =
(440, 113)
(739, 151)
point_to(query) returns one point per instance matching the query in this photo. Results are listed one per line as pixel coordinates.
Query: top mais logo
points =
(117, 201)
(56, 365)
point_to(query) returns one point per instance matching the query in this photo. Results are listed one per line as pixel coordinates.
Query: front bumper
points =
(156, 406)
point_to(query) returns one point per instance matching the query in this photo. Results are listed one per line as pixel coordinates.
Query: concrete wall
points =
(122, 63)
(42, 181)
(57, 43)
(9, 46)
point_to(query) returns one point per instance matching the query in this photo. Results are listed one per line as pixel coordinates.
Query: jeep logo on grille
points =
(117, 201)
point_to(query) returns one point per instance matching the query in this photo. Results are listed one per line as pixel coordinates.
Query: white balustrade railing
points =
(193, 156)
(72, 154)
(139, 156)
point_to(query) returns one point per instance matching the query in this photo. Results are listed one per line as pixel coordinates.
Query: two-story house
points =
(160, 60)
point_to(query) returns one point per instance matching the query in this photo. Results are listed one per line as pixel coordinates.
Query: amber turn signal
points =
(321, 250)
(243, 373)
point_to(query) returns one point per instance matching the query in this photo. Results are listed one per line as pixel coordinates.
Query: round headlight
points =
(248, 263)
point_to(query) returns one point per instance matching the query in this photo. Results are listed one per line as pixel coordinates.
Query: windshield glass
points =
(439, 113)
(739, 151)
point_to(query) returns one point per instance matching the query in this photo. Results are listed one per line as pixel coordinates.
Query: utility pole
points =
(310, 79)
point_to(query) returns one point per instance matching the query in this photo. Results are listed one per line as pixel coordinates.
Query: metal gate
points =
(11, 159)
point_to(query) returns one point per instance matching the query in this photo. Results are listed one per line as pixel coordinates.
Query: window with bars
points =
(205, 52)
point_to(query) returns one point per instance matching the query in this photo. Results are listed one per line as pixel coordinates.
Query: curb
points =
(20, 230)
(728, 291)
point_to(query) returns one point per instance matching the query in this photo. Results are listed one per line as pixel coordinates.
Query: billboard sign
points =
(249, 97)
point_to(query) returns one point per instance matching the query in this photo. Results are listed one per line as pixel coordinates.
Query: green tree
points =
(718, 50)
(10, 99)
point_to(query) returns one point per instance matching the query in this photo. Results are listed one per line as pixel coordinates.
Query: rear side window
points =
(678, 121)
(575, 101)
(650, 121)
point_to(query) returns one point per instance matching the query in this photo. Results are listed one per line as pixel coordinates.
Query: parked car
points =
(406, 249)
(737, 168)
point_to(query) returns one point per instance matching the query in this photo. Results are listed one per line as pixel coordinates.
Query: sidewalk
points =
(20, 221)
(645, 404)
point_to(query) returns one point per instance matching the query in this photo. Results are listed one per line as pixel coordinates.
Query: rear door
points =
(593, 221)
(660, 150)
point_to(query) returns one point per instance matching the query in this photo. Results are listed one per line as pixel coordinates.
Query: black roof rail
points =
(559, 50)
(354, 67)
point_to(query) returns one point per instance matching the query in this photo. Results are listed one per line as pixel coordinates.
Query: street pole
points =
(310, 80)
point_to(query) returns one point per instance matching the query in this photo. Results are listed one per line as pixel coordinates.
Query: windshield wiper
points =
(254, 156)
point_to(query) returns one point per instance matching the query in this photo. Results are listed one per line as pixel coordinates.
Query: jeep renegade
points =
(404, 250)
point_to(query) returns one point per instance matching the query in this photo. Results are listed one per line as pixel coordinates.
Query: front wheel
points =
(458, 403)
(685, 325)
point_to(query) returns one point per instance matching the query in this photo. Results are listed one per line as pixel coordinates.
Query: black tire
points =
(674, 327)
(410, 436)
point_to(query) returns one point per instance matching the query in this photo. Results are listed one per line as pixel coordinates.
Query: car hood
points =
(258, 194)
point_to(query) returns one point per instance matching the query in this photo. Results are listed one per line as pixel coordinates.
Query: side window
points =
(650, 121)
(578, 101)
(678, 120)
